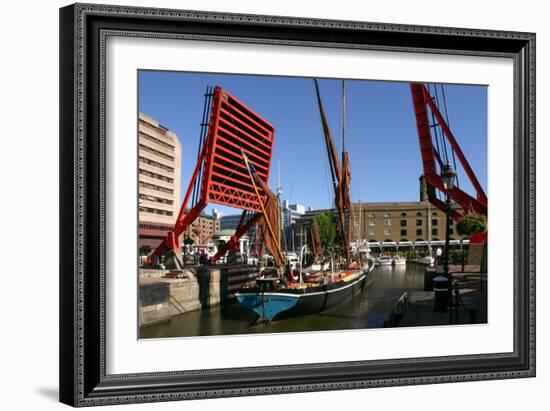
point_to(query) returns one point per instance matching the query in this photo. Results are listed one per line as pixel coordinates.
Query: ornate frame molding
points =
(84, 29)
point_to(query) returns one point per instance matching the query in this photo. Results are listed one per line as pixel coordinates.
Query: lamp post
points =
(448, 176)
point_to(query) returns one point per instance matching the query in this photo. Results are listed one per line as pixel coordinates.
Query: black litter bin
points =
(441, 293)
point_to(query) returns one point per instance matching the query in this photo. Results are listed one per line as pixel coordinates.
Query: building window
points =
(451, 231)
(387, 221)
(434, 221)
(418, 223)
(419, 231)
(386, 215)
(372, 223)
(403, 214)
(419, 214)
(372, 232)
(371, 215)
(403, 232)
(387, 231)
(403, 223)
(434, 231)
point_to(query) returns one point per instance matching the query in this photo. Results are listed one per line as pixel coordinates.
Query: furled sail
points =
(272, 212)
(316, 247)
(268, 222)
(346, 201)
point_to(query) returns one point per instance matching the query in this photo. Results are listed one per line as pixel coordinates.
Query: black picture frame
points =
(83, 29)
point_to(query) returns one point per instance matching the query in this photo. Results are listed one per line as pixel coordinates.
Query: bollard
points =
(429, 274)
(441, 293)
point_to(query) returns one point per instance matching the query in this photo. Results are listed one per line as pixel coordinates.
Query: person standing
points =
(438, 254)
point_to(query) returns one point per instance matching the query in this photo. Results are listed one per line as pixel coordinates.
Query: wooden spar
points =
(335, 169)
(264, 213)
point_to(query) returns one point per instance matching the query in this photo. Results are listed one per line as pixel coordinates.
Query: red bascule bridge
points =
(229, 128)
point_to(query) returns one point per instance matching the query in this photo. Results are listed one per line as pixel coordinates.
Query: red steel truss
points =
(232, 127)
(422, 101)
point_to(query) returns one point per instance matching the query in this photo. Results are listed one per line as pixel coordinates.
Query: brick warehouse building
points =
(409, 223)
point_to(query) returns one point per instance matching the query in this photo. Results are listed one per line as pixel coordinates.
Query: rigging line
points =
(293, 176)
(326, 181)
(442, 134)
(433, 126)
(445, 105)
(343, 105)
(343, 115)
(346, 212)
(437, 142)
(438, 133)
(207, 128)
(203, 120)
(449, 125)
(202, 138)
(209, 108)
(326, 163)
(356, 187)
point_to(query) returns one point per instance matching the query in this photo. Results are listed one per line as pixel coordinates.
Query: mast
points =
(340, 177)
(345, 179)
(343, 118)
(359, 226)
(344, 183)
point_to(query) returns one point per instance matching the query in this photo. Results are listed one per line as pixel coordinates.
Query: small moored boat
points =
(384, 260)
(398, 260)
(427, 260)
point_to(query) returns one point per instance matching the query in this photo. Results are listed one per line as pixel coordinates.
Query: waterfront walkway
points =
(472, 308)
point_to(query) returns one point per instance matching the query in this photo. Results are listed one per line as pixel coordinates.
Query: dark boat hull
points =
(296, 302)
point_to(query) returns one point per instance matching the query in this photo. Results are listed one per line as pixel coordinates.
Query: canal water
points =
(367, 310)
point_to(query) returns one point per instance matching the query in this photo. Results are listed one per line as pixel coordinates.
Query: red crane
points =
(432, 163)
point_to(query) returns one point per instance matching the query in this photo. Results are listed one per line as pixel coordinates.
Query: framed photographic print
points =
(261, 204)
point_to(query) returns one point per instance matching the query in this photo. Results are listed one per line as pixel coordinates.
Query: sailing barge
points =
(281, 295)
(269, 300)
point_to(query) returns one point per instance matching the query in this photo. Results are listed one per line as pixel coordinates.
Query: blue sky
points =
(381, 131)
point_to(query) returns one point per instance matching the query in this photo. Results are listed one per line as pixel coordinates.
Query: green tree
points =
(327, 228)
(471, 223)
